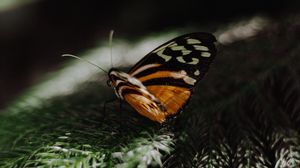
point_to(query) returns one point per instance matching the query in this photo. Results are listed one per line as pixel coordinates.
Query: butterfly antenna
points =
(70, 55)
(111, 33)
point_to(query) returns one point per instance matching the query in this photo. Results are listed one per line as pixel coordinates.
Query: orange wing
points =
(146, 107)
(173, 98)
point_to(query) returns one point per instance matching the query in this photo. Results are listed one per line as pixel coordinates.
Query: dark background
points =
(34, 35)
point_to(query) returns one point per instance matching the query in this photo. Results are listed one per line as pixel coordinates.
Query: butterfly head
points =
(111, 77)
(116, 76)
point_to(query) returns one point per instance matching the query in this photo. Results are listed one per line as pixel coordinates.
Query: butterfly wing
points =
(172, 70)
(146, 106)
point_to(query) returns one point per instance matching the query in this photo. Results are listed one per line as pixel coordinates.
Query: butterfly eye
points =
(108, 82)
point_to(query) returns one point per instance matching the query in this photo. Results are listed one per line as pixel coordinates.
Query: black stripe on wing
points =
(202, 67)
(167, 82)
(131, 91)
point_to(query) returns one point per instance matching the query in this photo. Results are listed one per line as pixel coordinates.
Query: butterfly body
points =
(161, 83)
(131, 90)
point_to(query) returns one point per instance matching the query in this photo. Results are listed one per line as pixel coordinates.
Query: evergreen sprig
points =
(243, 114)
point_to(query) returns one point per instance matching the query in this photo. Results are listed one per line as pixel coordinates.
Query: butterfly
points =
(161, 83)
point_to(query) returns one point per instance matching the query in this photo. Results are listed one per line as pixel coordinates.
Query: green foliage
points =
(243, 114)
(72, 131)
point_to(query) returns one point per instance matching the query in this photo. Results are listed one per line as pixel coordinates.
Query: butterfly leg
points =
(105, 104)
(121, 107)
(120, 104)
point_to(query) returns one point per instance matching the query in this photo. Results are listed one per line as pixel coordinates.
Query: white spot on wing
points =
(173, 44)
(182, 74)
(186, 52)
(200, 47)
(205, 54)
(180, 48)
(193, 62)
(177, 48)
(166, 57)
(193, 41)
(180, 59)
(197, 72)
(189, 80)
